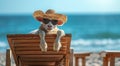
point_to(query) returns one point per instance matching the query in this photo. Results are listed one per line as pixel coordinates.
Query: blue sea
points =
(90, 33)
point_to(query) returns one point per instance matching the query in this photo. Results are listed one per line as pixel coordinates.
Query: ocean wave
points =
(85, 45)
(95, 42)
(95, 45)
(33, 31)
(2, 44)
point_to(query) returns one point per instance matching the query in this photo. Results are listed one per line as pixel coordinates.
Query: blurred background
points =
(94, 24)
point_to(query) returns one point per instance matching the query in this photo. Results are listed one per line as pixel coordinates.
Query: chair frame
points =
(68, 59)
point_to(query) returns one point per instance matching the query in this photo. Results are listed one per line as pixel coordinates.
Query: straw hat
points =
(50, 14)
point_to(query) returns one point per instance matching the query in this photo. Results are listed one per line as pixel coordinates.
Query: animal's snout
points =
(49, 26)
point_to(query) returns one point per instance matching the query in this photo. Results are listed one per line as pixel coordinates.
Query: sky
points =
(63, 6)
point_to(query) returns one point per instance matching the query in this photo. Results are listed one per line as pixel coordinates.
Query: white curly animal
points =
(49, 22)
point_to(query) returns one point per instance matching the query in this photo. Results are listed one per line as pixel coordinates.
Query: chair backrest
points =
(25, 47)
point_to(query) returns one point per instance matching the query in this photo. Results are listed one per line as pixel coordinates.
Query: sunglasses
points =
(46, 21)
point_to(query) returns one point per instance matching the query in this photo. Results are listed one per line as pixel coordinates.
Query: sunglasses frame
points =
(46, 21)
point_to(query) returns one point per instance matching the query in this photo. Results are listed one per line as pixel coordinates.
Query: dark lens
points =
(54, 22)
(45, 21)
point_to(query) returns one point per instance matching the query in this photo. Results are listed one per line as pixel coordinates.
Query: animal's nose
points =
(49, 26)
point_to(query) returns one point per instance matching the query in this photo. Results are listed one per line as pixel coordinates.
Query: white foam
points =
(34, 31)
(3, 44)
(87, 42)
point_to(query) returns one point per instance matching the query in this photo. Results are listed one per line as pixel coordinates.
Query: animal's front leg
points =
(57, 44)
(43, 44)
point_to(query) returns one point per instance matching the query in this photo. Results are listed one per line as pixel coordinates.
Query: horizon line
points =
(64, 13)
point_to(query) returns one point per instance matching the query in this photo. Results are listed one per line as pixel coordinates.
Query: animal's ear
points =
(60, 23)
(39, 19)
(62, 19)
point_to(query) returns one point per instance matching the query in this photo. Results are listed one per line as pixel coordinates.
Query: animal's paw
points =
(57, 46)
(43, 46)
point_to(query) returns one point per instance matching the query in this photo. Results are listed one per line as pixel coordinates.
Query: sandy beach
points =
(90, 61)
(2, 59)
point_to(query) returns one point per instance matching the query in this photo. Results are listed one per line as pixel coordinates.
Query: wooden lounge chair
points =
(26, 51)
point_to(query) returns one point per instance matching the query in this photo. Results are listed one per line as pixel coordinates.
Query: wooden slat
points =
(32, 35)
(81, 55)
(40, 59)
(36, 49)
(40, 63)
(39, 52)
(105, 61)
(36, 44)
(8, 60)
(34, 38)
(114, 54)
(36, 56)
(112, 61)
(76, 61)
(35, 41)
